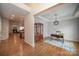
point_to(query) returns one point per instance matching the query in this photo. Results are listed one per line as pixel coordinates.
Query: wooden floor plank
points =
(14, 46)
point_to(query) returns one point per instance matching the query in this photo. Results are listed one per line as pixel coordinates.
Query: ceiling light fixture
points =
(12, 16)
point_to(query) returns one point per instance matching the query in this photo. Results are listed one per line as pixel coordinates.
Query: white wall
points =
(68, 27)
(41, 20)
(11, 27)
(29, 29)
(5, 29)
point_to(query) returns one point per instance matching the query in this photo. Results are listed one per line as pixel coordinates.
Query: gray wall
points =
(70, 28)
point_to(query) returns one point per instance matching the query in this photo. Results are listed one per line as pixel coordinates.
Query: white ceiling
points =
(7, 10)
(63, 12)
(38, 7)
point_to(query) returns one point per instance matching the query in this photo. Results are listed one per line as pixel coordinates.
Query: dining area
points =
(19, 31)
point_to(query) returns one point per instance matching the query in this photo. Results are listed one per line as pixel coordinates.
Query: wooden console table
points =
(57, 36)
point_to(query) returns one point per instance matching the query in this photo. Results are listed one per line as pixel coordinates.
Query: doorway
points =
(17, 27)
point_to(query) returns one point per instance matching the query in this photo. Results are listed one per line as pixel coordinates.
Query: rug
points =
(59, 43)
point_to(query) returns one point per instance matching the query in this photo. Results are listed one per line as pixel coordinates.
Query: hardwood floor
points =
(14, 46)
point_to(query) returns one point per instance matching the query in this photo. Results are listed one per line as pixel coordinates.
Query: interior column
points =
(29, 29)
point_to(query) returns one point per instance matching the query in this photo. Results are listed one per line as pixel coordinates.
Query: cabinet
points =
(38, 31)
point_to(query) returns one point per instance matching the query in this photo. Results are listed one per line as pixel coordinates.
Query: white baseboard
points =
(29, 43)
(72, 40)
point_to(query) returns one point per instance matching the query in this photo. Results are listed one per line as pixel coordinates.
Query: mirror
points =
(56, 22)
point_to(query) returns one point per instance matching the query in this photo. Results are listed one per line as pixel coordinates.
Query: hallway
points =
(16, 46)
